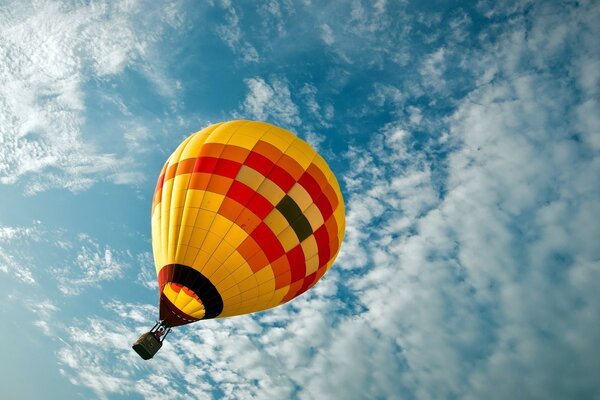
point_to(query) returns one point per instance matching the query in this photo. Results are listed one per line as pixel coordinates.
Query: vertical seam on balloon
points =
(199, 206)
(208, 184)
(214, 127)
(166, 221)
(163, 173)
(190, 181)
(170, 222)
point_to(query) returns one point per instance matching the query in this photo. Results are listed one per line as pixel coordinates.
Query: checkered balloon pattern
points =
(245, 217)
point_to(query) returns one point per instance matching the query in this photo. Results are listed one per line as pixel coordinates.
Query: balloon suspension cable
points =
(150, 342)
(160, 330)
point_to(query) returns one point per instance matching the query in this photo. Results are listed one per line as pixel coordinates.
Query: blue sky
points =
(466, 139)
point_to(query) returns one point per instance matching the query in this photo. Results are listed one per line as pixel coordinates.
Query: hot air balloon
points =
(246, 216)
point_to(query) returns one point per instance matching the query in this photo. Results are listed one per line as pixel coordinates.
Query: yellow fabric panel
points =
(193, 306)
(276, 221)
(180, 251)
(279, 138)
(301, 153)
(192, 149)
(279, 294)
(170, 293)
(234, 276)
(229, 294)
(245, 141)
(181, 183)
(270, 191)
(178, 195)
(217, 275)
(229, 309)
(223, 251)
(198, 314)
(182, 299)
(201, 259)
(156, 240)
(242, 272)
(212, 264)
(203, 220)
(177, 199)
(223, 132)
(250, 177)
(336, 187)
(189, 256)
(309, 246)
(266, 301)
(300, 196)
(338, 214)
(211, 242)
(253, 130)
(288, 238)
(198, 236)
(189, 217)
(249, 284)
(177, 153)
(194, 198)
(185, 235)
(264, 275)
(235, 236)
(314, 216)
(220, 225)
(267, 287)
(226, 283)
(322, 165)
(165, 206)
(234, 261)
(212, 201)
(174, 225)
(312, 264)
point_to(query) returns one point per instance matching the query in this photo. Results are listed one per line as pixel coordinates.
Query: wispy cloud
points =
(232, 35)
(270, 101)
(15, 260)
(91, 266)
(147, 275)
(48, 53)
(44, 311)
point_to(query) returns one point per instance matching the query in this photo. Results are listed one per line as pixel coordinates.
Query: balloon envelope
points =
(245, 217)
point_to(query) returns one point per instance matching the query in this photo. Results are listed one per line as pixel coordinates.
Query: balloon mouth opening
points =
(186, 304)
(172, 315)
(186, 295)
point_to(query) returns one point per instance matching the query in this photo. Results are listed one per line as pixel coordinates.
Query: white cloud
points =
(231, 34)
(147, 275)
(270, 101)
(322, 115)
(91, 266)
(45, 311)
(48, 52)
(15, 259)
(433, 68)
(327, 34)
(12, 264)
